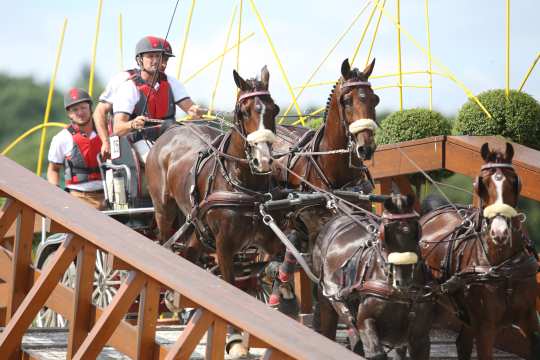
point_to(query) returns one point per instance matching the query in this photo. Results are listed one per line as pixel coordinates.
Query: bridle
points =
(239, 127)
(346, 87)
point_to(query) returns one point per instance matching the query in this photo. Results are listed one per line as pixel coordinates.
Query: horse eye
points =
(347, 101)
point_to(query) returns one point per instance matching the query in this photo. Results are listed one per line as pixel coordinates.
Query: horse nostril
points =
(270, 161)
(256, 162)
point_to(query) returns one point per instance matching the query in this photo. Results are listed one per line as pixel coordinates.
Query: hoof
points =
(237, 350)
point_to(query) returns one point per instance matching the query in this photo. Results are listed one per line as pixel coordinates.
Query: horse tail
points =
(432, 202)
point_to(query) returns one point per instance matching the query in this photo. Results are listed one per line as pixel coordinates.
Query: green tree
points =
(516, 117)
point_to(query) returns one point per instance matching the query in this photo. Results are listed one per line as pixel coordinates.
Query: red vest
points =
(82, 166)
(160, 103)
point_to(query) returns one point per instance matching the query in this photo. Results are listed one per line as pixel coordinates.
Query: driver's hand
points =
(196, 112)
(138, 122)
(105, 150)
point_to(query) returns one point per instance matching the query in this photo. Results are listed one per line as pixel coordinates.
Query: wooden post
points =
(302, 289)
(81, 323)
(148, 314)
(215, 340)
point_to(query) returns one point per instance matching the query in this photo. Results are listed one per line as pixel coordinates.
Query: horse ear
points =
(345, 69)
(484, 151)
(390, 205)
(241, 83)
(369, 69)
(265, 76)
(509, 152)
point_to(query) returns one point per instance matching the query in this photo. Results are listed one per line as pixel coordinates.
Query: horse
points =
(218, 187)
(371, 274)
(342, 143)
(480, 257)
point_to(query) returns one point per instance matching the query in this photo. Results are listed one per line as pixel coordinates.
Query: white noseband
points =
(362, 124)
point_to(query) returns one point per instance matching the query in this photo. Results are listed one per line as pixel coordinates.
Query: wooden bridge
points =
(24, 290)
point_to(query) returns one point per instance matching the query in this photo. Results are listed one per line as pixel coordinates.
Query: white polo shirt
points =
(62, 146)
(126, 96)
(112, 86)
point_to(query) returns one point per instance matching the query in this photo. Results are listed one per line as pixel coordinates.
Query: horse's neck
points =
(334, 136)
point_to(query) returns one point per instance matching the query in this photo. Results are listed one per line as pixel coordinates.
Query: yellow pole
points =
(196, 73)
(430, 75)
(436, 61)
(289, 87)
(184, 44)
(507, 48)
(231, 22)
(8, 148)
(529, 72)
(120, 42)
(353, 58)
(94, 48)
(49, 98)
(340, 38)
(399, 55)
(238, 36)
(374, 35)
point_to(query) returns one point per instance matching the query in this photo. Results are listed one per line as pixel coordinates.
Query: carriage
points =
(268, 204)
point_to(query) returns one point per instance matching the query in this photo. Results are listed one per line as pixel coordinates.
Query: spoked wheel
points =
(106, 280)
(48, 318)
(106, 284)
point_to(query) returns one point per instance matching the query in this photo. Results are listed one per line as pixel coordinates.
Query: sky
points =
(468, 39)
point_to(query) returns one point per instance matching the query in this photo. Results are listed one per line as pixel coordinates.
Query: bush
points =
(411, 125)
(516, 118)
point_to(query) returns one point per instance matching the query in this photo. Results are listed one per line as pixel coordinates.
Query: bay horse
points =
(371, 274)
(480, 255)
(218, 189)
(344, 140)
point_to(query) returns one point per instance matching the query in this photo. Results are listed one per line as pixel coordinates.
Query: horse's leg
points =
(328, 317)
(529, 324)
(370, 339)
(165, 214)
(485, 341)
(419, 346)
(225, 252)
(464, 343)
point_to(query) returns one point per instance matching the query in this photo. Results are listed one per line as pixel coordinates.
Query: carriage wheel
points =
(106, 284)
(48, 318)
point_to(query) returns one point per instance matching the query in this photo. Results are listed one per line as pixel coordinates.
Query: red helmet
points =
(153, 44)
(75, 96)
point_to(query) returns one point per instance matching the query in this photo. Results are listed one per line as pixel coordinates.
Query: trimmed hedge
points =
(412, 124)
(516, 118)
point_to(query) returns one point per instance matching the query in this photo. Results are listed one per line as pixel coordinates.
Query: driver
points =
(148, 99)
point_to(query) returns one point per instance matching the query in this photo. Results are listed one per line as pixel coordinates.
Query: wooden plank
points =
(10, 211)
(33, 302)
(147, 320)
(61, 300)
(302, 290)
(21, 276)
(191, 336)
(215, 340)
(220, 298)
(81, 321)
(254, 342)
(394, 159)
(111, 317)
(274, 354)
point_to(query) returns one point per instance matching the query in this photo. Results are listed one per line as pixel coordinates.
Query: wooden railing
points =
(25, 290)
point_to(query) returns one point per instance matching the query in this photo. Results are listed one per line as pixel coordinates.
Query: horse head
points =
(255, 115)
(399, 234)
(357, 103)
(498, 188)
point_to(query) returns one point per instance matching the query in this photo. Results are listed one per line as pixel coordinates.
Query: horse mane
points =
(355, 74)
